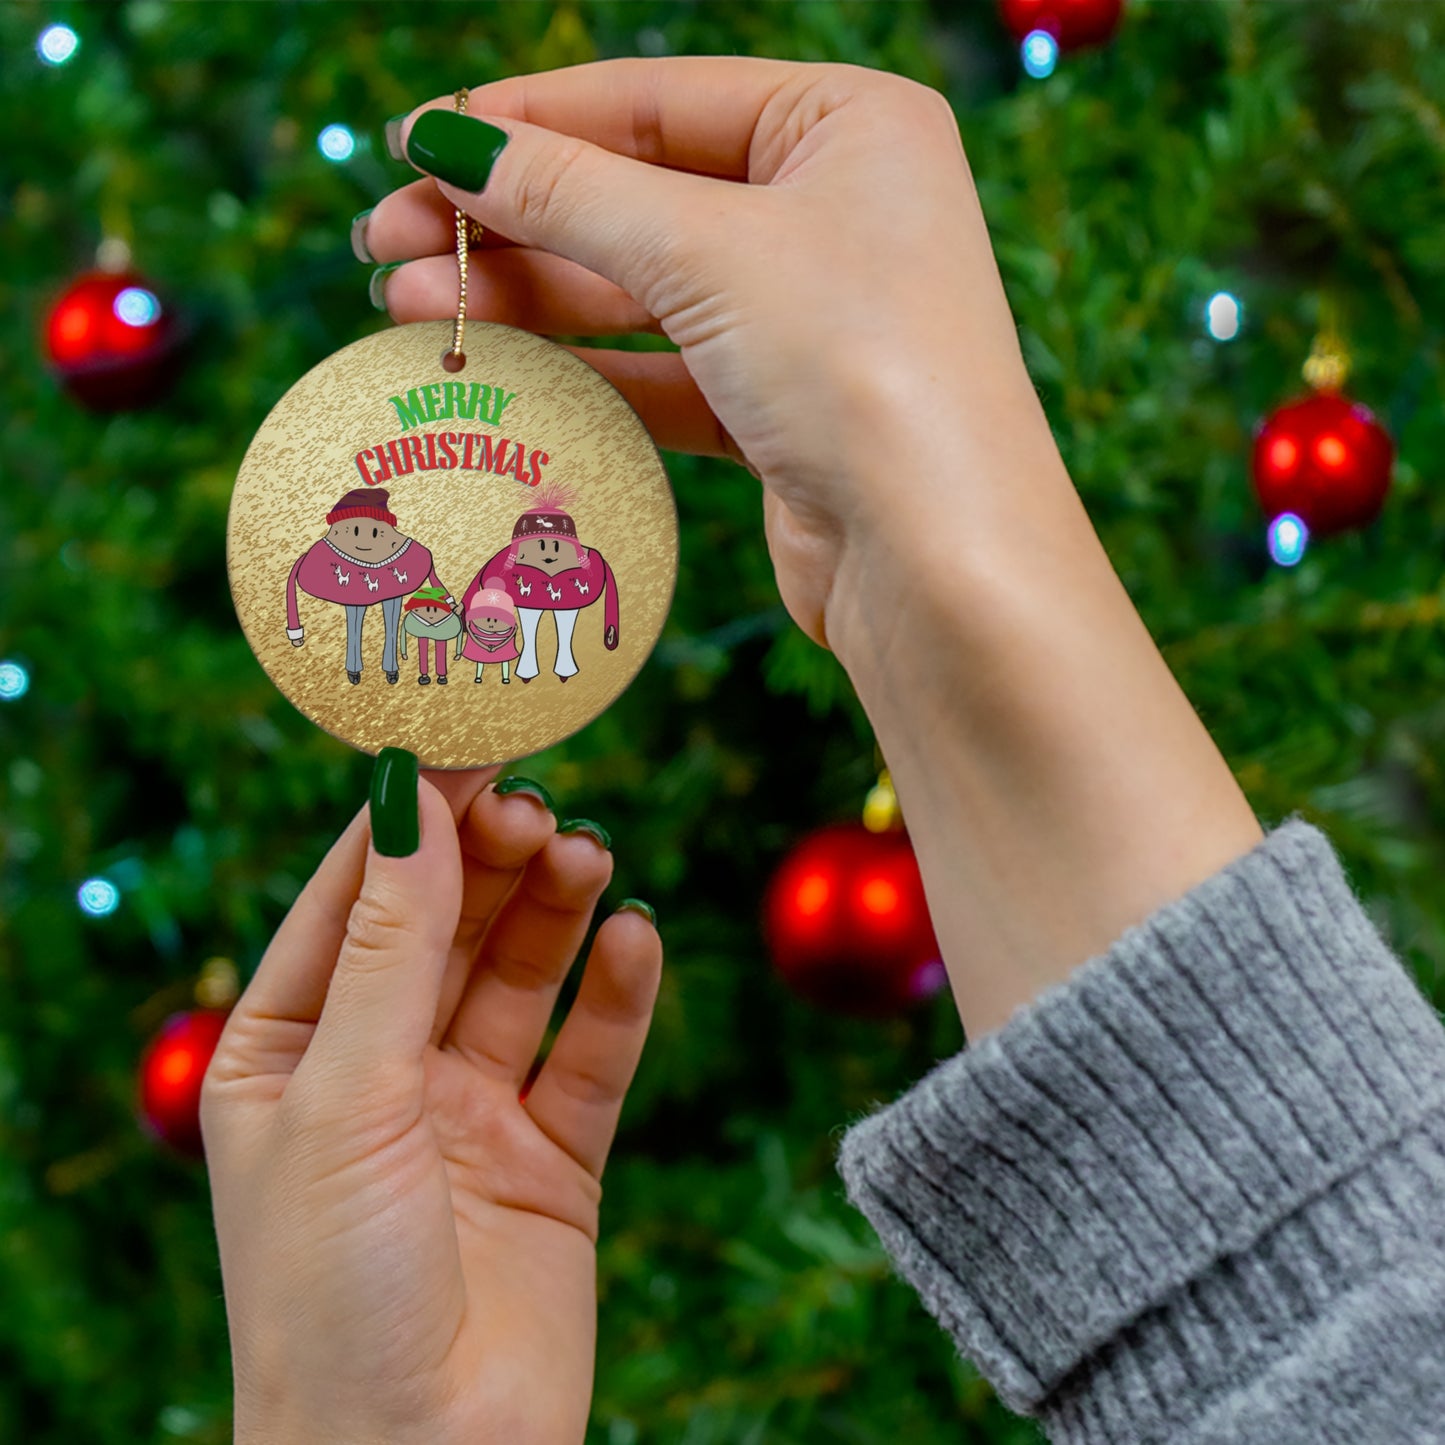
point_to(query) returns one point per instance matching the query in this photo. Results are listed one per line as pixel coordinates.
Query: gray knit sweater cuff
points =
(1133, 1191)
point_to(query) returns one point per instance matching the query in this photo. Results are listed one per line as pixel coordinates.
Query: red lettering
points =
(539, 460)
(499, 456)
(400, 461)
(467, 441)
(366, 476)
(413, 445)
(446, 445)
(519, 457)
(485, 454)
(431, 452)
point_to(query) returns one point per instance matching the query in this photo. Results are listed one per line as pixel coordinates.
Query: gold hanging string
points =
(469, 233)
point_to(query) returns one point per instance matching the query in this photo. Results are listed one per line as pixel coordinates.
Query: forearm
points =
(1056, 782)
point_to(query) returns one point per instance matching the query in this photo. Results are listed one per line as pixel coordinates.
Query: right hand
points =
(842, 326)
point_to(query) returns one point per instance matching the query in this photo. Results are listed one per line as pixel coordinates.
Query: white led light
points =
(1288, 538)
(1040, 52)
(1223, 316)
(336, 143)
(98, 897)
(137, 307)
(14, 681)
(57, 44)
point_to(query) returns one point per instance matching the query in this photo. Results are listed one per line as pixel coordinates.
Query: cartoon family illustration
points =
(363, 561)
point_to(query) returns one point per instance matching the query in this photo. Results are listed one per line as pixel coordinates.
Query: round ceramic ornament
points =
(467, 559)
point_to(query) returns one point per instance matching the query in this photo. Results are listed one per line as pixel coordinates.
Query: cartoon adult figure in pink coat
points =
(547, 570)
(363, 561)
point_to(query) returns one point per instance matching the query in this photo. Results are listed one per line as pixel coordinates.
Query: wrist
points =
(944, 528)
(1057, 784)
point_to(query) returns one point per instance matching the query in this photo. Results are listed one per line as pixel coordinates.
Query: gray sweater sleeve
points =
(1195, 1193)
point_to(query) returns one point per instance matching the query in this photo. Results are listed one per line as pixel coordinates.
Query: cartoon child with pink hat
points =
(491, 631)
(546, 569)
(363, 561)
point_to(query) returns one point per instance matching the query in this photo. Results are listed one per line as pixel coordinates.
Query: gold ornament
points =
(526, 468)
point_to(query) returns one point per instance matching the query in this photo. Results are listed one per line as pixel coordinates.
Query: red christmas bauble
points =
(1073, 23)
(1324, 458)
(111, 340)
(847, 923)
(171, 1071)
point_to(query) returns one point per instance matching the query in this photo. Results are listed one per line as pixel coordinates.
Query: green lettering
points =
(433, 394)
(453, 392)
(477, 398)
(411, 412)
(499, 404)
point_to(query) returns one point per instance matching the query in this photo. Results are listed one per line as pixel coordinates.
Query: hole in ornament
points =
(453, 360)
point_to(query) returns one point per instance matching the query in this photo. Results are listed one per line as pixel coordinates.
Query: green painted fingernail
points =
(526, 785)
(359, 248)
(586, 825)
(392, 131)
(376, 288)
(395, 812)
(455, 148)
(636, 905)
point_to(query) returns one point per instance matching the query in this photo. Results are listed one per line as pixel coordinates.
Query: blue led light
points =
(1288, 538)
(1223, 316)
(57, 44)
(1040, 52)
(336, 143)
(14, 681)
(137, 307)
(98, 897)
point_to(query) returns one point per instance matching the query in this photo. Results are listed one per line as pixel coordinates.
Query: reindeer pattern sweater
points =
(1196, 1193)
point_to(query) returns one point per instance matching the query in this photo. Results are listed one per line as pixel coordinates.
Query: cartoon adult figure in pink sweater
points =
(546, 569)
(363, 561)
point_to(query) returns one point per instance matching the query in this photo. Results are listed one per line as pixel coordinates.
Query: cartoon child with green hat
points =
(427, 618)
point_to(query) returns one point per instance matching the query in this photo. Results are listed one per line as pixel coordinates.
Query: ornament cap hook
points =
(1328, 365)
(219, 984)
(881, 813)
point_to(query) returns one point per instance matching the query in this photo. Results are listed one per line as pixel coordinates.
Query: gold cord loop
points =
(469, 233)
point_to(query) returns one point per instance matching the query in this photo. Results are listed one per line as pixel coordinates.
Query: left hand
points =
(407, 1246)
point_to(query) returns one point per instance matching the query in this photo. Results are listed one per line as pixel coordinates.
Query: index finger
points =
(696, 113)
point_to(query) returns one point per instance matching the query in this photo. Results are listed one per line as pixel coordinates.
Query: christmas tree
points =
(1180, 214)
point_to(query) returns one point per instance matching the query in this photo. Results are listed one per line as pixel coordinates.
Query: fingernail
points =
(395, 812)
(359, 248)
(586, 825)
(525, 785)
(376, 287)
(455, 148)
(636, 905)
(393, 137)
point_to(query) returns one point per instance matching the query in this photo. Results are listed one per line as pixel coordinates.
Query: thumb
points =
(382, 1000)
(623, 219)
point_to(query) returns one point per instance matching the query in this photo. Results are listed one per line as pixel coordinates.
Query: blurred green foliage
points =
(1287, 153)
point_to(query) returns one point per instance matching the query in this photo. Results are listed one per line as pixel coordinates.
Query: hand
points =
(408, 1247)
(828, 311)
(810, 237)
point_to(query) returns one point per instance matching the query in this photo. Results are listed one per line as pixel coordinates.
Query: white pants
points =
(529, 617)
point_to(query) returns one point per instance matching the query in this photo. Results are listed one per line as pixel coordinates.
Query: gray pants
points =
(355, 616)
